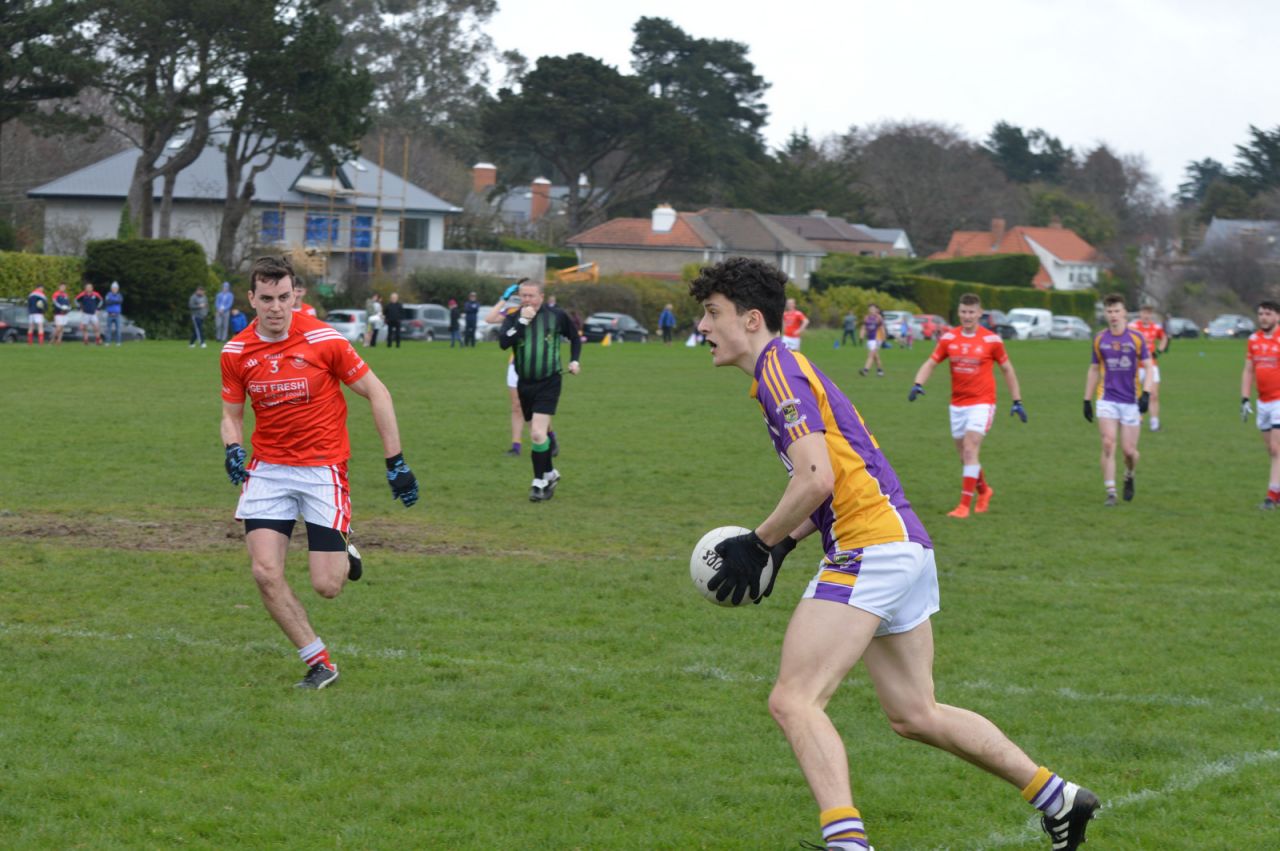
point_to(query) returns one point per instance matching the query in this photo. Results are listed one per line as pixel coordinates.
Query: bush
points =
(157, 277)
(642, 297)
(21, 273)
(888, 274)
(999, 270)
(439, 285)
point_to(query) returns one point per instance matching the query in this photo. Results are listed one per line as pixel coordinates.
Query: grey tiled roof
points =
(747, 230)
(205, 180)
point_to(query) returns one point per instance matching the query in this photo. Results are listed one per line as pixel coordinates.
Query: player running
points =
(292, 367)
(973, 351)
(876, 586)
(1118, 354)
(533, 334)
(873, 334)
(1262, 367)
(1157, 344)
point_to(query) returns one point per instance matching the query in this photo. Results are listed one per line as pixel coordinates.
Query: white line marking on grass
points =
(1179, 701)
(1198, 776)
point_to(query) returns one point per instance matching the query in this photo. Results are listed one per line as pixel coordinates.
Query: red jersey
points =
(792, 320)
(304, 308)
(1263, 351)
(1152, 332)
(973, 380)
(295, 387)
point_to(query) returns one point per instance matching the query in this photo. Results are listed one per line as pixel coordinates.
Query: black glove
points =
(404, 485)
(235, 464)
(1245, 409)
(1088, 410)
(777, 554)
(1019, 410)
(1144, 402)
(742, 558)
(916, 390)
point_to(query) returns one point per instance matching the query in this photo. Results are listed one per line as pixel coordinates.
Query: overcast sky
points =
(1172, 80)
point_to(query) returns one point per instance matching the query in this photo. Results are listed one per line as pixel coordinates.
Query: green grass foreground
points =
(543, 676)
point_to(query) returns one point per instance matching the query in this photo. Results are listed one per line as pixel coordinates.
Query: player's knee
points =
(787, 705)
(327, 586)
(537, 436)
(267, 575)
(915, 723)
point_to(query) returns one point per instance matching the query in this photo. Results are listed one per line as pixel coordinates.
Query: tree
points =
(1028, 157)
(714, 84)
(1225, 199)
(1094, 226)
(805, 175)
(586, 118)
(294, 96)
(1199, 177)
(44, 57)
(1258, 161)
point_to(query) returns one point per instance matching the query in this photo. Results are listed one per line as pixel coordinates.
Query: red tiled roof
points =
(1063, 243)
(639, 233)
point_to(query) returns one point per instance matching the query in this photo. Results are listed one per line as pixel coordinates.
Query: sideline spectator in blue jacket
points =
(667, 324)
(115, 304)
(222, 311)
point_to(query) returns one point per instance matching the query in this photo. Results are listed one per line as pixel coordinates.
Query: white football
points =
(704, 563)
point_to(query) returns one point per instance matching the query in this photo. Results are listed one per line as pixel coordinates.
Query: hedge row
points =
(935, 295)
(888, 273)
(20, 273)
(156, 276)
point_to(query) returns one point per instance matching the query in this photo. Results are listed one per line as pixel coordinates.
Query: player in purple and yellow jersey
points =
(876, 586)
(1122, 392)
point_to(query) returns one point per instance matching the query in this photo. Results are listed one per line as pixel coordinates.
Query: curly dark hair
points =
(749, 284)
(270, 269)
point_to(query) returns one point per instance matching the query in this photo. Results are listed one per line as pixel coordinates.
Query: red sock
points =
(967, 485)
(322, 655)
(1274, 495)
(982, 480)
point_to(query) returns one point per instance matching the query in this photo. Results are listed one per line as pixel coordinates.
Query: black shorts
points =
(538, 397)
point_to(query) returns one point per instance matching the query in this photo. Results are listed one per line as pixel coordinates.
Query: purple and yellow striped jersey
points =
(1118, 356)
(867, 505)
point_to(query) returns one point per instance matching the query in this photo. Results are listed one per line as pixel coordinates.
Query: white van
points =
(1030, 323)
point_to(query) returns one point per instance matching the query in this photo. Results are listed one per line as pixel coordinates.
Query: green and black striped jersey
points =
(537, 345)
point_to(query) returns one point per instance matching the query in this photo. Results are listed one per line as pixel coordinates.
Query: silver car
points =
(349, 322)
(1070, 328)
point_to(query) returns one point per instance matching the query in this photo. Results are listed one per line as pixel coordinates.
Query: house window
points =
(321, 229)
(415, 233)
(272, 226)
(362, 232)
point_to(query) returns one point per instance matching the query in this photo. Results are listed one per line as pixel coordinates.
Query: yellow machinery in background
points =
(581, 273)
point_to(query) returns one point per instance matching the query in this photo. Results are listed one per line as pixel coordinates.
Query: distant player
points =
(533, 335)
(794, 323)
(90, 302)
(973, 352)
(37, 304)
(1262, 367)
(876, 586)
(61, 307)
(873, 334)
(1157, 344)
(1118, 354)
(292, 367)
(299, 299)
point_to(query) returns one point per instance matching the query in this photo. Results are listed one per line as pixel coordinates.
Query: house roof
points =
(281, 183)
(1063, 243)
(1233, 231)
(826, 227)
(713, 228)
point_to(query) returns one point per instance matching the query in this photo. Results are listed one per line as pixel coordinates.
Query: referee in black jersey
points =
(534, 333)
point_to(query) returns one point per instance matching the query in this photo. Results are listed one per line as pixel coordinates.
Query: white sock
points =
(309, 652)
(971, 471)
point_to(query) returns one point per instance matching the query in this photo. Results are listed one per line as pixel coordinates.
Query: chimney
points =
(997, 232)
(483, 177)
(1056, 222)
(818, 214)
(540, 200)
(664, 218)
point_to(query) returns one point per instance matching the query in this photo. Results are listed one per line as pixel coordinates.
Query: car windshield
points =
(339, 316)
(1020, 315)
(1224, 322)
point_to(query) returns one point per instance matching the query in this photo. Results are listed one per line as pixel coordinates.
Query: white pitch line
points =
(1201, 774)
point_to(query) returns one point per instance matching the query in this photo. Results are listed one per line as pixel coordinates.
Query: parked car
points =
(425, 322)
(893, 324)
(995, 320)
(349, 322)
(129, 332)
(1030, 323)
(487, 331)
(13, 322)
(1070, 328)
(1180, 327)
(1230, 325)
(620, 325)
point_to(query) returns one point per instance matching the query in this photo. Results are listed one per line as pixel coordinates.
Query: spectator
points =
(238, 321)
(394, 315)
(455, 319)
(905, 332)
(667, 324)
(850, 332)
(198, 305)
(471, 308)
(222, 311)
(373, 307)
(115, 304)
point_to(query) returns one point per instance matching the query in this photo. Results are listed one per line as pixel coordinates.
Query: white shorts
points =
(792, 343)
(971, 418)
(1126, 412)
(897, 582)
(280, 492)
(872, 345)
(1268, 415)
(90, 319)
(1142, 374)
(59, 320)
(36, 320)
(513, 380)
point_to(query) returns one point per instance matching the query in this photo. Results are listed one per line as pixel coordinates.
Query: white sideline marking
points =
(1199, 775)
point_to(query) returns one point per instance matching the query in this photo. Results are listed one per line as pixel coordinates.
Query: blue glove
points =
(916, 390)
(235, 464)
(510, 291)
(1019, 410)
(404, 484)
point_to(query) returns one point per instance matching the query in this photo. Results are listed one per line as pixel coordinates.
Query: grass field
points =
(543, 676)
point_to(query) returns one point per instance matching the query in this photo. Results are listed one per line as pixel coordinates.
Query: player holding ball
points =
(876, 586)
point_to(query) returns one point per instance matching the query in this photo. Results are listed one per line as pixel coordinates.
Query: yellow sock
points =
(842, 829)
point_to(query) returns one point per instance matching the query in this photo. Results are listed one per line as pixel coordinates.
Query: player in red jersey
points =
(972, 351)
(1262, 367)
(1157, 343)
(300, 299)
(292, 368)
(794, 323)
